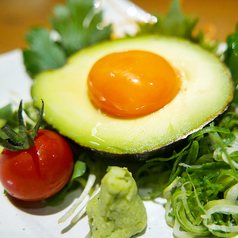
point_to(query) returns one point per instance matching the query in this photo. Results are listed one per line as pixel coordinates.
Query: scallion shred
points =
(202, 189)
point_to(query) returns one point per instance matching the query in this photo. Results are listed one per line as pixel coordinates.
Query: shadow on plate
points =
(42, 209)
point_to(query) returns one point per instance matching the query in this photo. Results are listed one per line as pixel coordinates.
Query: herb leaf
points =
(77, 25)
(43, 54)
(79, 170)
(175, 24)
(231, 60)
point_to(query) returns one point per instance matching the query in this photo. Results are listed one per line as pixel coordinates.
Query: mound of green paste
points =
(117, 211)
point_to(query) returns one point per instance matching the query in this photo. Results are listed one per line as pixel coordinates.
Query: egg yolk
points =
(132, 84)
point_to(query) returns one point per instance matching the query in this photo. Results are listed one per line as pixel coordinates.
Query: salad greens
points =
(199, 181)
(78, 25)
(202, 176)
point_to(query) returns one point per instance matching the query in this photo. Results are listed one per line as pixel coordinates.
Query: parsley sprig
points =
(76, 24)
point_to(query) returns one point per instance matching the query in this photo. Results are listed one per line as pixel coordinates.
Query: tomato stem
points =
(21, 140)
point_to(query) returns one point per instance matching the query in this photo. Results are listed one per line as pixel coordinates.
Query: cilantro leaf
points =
(43, 54)
(77, 24)
(175, 24)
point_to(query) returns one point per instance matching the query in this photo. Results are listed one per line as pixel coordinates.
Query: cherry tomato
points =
(40, 171)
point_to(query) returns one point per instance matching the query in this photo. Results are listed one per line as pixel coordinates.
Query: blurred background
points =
(219, 17)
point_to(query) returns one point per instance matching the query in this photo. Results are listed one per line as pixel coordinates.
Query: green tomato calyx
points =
(23, 139)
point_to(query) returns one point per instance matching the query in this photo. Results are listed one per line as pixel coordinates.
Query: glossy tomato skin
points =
(40, 171)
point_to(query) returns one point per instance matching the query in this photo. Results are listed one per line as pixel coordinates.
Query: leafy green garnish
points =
(79, 170)
(175, 24)
(231, 60)
(77, 25)
(201, 174)
(43, 54)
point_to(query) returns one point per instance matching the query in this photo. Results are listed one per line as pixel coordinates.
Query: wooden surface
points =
(219, 17)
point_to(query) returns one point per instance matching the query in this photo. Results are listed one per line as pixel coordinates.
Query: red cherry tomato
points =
(40, 171)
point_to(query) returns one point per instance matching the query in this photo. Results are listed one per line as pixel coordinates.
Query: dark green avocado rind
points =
(69, 110)
(164, 152)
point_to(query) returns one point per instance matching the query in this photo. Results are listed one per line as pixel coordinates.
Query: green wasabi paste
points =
(117, 211)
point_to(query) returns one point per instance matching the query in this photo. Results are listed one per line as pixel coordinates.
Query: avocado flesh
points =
(206, 91)
(117, 211)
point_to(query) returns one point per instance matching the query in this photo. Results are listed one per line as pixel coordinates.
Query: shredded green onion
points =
(202, 190)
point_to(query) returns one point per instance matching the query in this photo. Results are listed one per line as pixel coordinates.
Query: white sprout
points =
(83, 210)
(90, 182)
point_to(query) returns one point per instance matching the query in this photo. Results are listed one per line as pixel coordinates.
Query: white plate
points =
(33, 220)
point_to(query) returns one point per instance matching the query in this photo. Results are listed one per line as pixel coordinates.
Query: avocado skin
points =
(125, 158)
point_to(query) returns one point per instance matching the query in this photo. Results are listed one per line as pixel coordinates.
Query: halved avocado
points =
(206, 91)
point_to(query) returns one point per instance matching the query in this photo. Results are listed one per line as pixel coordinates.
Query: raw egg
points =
(132, 83)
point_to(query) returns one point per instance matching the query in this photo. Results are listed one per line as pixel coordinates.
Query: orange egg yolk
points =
(132, 84)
